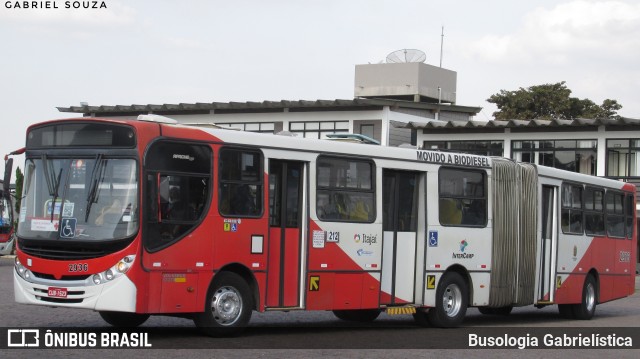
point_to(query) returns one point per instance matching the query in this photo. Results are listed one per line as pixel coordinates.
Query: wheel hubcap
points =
(590, 297)
(452, 300)
(226, 306)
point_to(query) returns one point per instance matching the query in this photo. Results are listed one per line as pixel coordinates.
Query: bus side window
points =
(615, 214)
(345, 190)
(449, 212)
(240, 183)
(177, 191)
(630, 215)
(152, 199)
(594, 211)
(474, 213)
(572, 209)
(463, 197)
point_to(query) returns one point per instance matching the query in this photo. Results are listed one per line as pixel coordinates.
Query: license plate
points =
(57, 292)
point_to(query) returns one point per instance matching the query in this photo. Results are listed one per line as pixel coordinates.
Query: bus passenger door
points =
(399, 223)
(549, 243)
(286, 194)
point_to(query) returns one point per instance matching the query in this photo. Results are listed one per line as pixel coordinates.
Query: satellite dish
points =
(406, 55)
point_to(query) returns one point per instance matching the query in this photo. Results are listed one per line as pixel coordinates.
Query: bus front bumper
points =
(118, 295)
(6, 248)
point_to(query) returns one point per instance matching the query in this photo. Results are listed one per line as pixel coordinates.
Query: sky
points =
(163, 51)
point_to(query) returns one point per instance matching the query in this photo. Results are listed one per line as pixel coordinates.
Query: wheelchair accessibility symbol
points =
(68, 228)
(433, 238)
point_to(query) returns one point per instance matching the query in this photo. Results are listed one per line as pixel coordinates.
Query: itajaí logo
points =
(365, 238)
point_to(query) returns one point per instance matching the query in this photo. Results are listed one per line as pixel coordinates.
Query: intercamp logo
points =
(463, 245)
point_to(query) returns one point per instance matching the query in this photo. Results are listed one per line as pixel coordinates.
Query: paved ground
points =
(314, 334)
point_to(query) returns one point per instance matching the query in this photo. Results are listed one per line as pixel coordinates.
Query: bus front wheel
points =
(124, 320)
(452, 299)
(227, 308)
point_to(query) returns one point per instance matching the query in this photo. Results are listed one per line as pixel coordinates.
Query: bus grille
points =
(64, 277)
(74, 252)
(60, 300)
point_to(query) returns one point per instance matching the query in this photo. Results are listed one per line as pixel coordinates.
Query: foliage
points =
(549, 101)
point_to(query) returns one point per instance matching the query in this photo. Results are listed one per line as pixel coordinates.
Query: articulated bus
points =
(7, 238)
(132, 218)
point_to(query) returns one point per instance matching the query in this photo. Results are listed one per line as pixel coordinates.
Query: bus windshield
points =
(6, 219)
(79, 199)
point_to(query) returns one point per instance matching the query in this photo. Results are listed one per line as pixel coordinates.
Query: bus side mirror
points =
(8, 169)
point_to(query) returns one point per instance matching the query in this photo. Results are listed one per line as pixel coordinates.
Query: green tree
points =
(549, 101)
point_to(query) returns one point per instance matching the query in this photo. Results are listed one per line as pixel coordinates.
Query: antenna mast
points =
(441, 44)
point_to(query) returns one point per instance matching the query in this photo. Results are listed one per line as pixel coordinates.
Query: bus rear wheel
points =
(587, 307)
(452, 299)
(123, 319)
(228, 306)
(359, 315)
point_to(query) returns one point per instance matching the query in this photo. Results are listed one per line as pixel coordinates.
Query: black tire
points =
(504, 311)
(452, 299)
(358, 315)
(496, 311)
(421, 317)
(124, 320)
(587, 307)
(486, 310)
(228, 306)
(566, 311)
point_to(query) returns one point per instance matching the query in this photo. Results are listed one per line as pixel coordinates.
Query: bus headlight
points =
(114, 272)
(122, 267)
(108, 274)
(22, 271)
(19, 267)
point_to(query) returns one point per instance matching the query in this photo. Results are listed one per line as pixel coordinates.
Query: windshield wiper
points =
(47, 174)
(53, 182)
(96, 178)
(55, 196)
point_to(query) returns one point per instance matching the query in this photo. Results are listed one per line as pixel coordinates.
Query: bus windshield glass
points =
(6, 219)
(79, 199)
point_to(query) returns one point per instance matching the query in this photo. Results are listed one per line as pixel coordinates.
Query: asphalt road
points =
(313, 334)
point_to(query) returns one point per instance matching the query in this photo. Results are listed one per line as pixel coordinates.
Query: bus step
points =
(282, 309)
(401, 310)
(544, 302)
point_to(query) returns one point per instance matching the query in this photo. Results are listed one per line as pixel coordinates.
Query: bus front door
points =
(400, 217)
(548, 244)
(284, 273)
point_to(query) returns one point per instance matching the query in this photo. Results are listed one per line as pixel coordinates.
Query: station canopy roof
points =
(264, 106)
(435, 125)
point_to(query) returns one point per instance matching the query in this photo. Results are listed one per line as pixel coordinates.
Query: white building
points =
(388, 97)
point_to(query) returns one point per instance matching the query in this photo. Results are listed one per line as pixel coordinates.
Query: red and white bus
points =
(133, 218)
(7, 238)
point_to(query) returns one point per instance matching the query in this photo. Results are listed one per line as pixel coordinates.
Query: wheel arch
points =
(596, 276)
(248, 277)
(464, 273)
